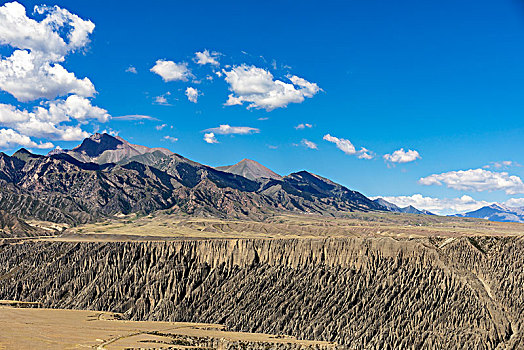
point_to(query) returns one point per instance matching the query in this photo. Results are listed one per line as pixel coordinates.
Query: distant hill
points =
(250, 169)
(497, 212)
(394, 208)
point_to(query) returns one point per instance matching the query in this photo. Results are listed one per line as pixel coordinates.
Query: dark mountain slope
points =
(59, 188)
(62, 188)
(11, 226)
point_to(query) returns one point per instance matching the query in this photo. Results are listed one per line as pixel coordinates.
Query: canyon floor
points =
(362, 281)
(34, 328)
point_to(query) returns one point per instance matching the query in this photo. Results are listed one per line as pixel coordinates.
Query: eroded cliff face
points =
(360, 292)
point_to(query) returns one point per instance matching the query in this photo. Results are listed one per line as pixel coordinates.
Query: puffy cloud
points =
(309, 144)
(364, 153)
(442, 206)
(29, 76)
(75, 107)
(401, 156)
(170, 138)
(135, 117)
(347, 147)
(192, 94)
(227, 130)
(206, 58)
(210, 138)
(307, 88)
(160, 127)
(342, 144)
(49, 122)
(19, 31)
(171, 71)
(9, 138)
(303, 126)
(32, 71)
(161, 100)
(515, 202)
(477, 180)
(131, 69)
(257, 87)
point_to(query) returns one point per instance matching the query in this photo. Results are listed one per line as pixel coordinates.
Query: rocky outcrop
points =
(372, 293)
(11, 226)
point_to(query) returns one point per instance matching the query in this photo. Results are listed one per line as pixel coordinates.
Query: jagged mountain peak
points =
(25, 155)
(97, 143)
(250, 169)
(103, 148)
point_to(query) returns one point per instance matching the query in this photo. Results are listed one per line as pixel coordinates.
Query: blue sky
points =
(442, 78)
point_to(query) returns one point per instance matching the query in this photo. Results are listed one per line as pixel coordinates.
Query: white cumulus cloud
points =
(258, 88)
(33, 70)
(30, 75)
(401, 156)
(347, 147)
(309, 144)
(206, 57)
(192, 94)
(9, 138)
(210, 138)
(131, 69)
(51, 122)
(515, 202)
(172, 71)
(303, 126)
(477, 180)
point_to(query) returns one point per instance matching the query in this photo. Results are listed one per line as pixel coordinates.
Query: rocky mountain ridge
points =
(63, 187)
(104, 148)
(395, 208)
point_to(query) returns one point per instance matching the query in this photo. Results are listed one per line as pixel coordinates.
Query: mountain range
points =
(394, 208)
(106, 176)
(497, 212)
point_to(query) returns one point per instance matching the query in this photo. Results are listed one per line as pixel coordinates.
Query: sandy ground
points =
(32, 328)
(161, 226)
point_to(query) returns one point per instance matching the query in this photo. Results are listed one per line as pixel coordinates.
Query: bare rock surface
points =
(373, 293)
